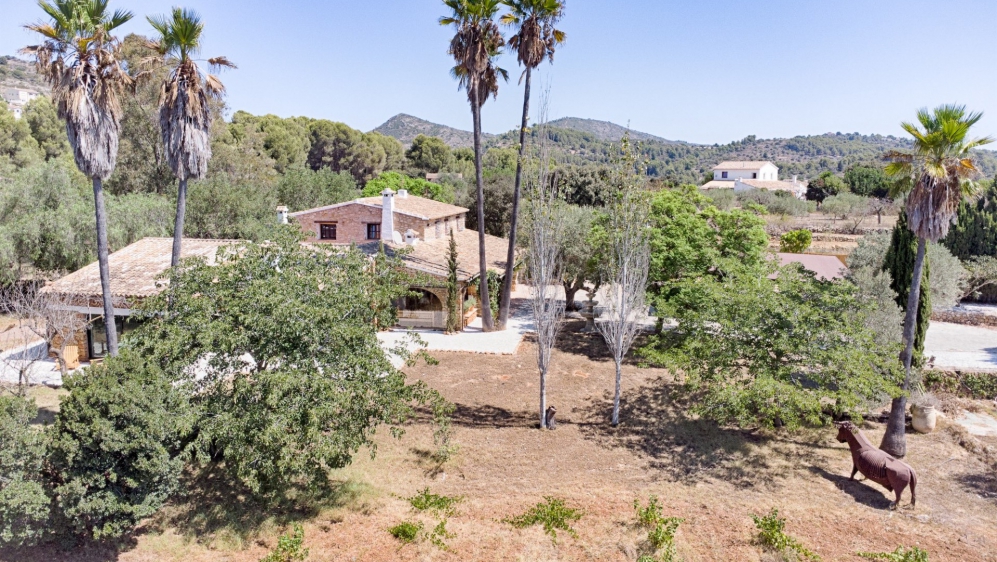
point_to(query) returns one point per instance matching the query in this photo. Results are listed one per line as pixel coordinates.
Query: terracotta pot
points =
(924, 418)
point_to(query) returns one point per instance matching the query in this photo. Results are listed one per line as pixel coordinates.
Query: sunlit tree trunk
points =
(105, 273)
(506, 298)
(486, 307)
(895, 438)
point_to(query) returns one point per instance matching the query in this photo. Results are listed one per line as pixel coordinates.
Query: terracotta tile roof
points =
(134, 268)
(731, 165)
(826, 267)
(774, 185)
(431, 257)
(718, 184)
(418, 207)
(412, 205)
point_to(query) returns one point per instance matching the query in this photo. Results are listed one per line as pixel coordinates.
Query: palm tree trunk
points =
(486, 304)
(510, 261)
(105, 273)
(895, 440)
(178, 225)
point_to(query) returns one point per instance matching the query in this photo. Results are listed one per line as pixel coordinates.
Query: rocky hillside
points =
(406, 127)
(604, 130)
(18, 73)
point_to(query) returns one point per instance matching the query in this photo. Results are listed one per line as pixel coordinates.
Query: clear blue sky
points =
(703, 71)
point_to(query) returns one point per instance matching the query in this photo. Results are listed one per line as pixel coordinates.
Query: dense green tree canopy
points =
(791, 351)
(429, 154)
(17, 146)
(293, 380)
(47, 129)
(395, 181)
(868, 181)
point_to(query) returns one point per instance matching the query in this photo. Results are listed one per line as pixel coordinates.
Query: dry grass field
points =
(711, 476)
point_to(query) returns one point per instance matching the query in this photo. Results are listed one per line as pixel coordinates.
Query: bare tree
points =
(48, 316)
(544, 255)
(625, 261)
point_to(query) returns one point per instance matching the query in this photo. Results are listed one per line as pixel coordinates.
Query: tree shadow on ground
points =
(214, 505)
(981, 484)
(655, 424)
(486, 416)
(865, 492)
(70, 550)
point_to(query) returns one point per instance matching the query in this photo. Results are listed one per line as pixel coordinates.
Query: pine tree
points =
(454, 319)
(899, 263)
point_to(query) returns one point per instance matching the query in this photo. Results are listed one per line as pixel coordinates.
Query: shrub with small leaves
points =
(552, 513)
(901, 554)
(771, 534)
(660, 529)
(424, 500)
(796, 241)
(406, 531)
(289, 547)
(439, 535)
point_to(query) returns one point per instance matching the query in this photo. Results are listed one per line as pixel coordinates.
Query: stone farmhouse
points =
(745, 176)
(418, 231)
(414, 228)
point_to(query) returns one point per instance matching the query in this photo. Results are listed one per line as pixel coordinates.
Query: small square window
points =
(723, 175)
(754, 175)
(327, 231)
(374, 231)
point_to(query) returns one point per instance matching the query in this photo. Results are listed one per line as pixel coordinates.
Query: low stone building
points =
(417, 230)
(135, 271)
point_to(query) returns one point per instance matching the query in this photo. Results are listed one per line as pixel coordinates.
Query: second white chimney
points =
(282, 215)
(387, 215)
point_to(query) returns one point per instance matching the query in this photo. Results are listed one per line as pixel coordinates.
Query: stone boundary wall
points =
(964, 317)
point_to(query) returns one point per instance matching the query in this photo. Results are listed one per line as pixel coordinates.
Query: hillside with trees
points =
(582, 142)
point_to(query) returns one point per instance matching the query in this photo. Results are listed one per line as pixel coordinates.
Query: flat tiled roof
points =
(826, 267)
(135, 268)
(747, 165)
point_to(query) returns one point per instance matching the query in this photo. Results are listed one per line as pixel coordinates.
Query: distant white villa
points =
(745, 176)
(17, 98)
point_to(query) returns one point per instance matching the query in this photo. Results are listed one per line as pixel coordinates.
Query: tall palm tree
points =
(475, 47)
(80, 60)
(184, 108)
(935, 176)
(535, 40)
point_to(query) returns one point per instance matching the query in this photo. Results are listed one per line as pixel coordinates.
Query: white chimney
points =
(387, 215)
(282, 215)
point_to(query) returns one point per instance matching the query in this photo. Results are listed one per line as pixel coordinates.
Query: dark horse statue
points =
(877, 465)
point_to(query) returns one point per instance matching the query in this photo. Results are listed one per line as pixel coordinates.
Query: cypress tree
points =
(899, 263)
(454, 311)
(975, 233)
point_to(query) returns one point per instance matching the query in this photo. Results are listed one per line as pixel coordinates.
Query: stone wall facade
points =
(351, 224)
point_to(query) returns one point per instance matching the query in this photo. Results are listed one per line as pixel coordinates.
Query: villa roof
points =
(135, 268)
(411, 205)
(773, 185)
(732, 165)
(828, 268)
(431, 256)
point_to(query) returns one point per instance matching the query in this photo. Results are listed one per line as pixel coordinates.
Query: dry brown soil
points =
(713, 477)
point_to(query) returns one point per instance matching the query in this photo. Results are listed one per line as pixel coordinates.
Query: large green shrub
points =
(25, 503)
(119, 445)
(796, 241)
